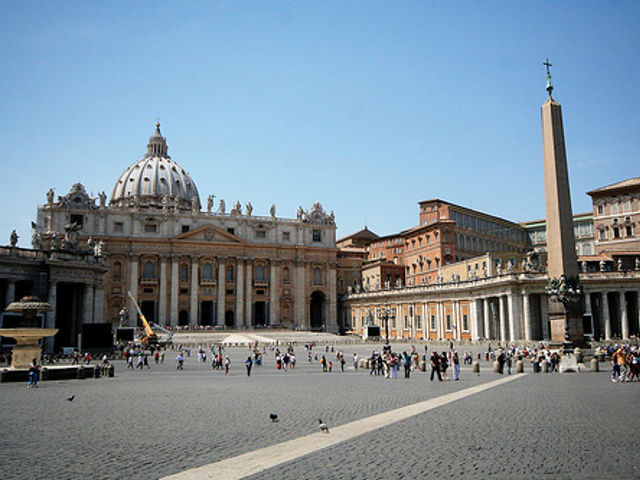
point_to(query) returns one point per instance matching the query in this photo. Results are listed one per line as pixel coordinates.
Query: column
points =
(50, 317)
(10, 294)
(526, 312)
(606, 316)
(175, 286)
(544, 316)
(473, 313)
(162, 298)
(457, 324)
(333, 298)
(299, 297)
(502, 300)
(440, 309)
(239, 318)
(274, 313)
(624, 319)
(98, 303)
(87, 304)
(193, 291)
(133, 288)
(248, 293)
(220, 307)
(587, 311)
(485, 312)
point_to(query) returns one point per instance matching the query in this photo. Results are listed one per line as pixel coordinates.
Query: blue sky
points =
(368, 107)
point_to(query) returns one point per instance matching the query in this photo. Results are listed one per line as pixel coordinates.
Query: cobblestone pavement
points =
(147, 424)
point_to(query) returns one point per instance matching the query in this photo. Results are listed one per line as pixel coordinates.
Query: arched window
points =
(259, 273)
(117, 271)
(207, 271)
(229, 276)
(149, 270)
(317, 277)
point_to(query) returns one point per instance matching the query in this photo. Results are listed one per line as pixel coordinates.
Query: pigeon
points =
(70, 399)
(274, 418)
(323, 426)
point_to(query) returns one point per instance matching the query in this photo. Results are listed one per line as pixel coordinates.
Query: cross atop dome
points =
(549, 86)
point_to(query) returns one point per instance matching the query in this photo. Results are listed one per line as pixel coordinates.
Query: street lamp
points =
(568, 291)
(384, 313)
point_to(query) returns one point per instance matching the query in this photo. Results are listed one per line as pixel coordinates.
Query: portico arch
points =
(317, 310)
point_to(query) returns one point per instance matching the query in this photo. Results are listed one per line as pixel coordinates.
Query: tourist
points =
(501, 361)
(618, 364)
(435, 365)
(355, 361)
(406, 361)
(129, 361)
(140, 364)
(34, 370)
(292, 360)
(145, 362)
(323, 362)
(456, 366)
(227, 363)
(444, 365)
(248, 363)
(179, 361)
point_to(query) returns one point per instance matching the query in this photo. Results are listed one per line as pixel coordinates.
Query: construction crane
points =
(150, 338)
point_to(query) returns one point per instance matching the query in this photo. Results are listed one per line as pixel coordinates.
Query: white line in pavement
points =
(258, 460)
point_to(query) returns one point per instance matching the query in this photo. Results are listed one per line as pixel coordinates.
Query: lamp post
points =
(568, 291)
(384, 313)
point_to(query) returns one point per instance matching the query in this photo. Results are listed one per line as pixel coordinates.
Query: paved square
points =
(158, 422)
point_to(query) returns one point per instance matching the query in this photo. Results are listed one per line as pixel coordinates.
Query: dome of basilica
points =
(155, 180)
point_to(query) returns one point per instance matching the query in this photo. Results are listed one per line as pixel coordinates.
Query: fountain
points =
(27, 334)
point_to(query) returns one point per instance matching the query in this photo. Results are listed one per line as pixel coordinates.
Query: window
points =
(465, 322)
(117, 271)
(614, 207)
(231, 231)
(317, 276)
(629, 231)
(406, 322)
(78, 220)
(184, 273)
(603, 234)
(286, 236)
(229, 275)
(433, 323)
(448, 322)
(586, 249)
(317, 236)
(261, 234)
(259, 273)
(418, 322)
(207, 271)
(118, 227)
(150, 228)
(616, 232)
(149, 270)
(626, 205)
(600, 209)
(185, 228)
(285, 275)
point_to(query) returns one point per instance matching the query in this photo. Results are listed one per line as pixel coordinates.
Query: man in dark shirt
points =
(435, 365)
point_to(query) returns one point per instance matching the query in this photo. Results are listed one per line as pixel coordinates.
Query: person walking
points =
(406, 361)
(227, 363)
(435, 365)
(248, 363)
(456, 365)
(179, 361)
(34, 370)
(444, 364)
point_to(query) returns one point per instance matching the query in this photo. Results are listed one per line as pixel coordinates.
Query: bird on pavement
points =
(274, 418)
(323, 426)
(70, 399)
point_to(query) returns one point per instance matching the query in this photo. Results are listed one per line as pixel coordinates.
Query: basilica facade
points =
(189, 266)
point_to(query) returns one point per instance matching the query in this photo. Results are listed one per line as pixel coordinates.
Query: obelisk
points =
(561, 246)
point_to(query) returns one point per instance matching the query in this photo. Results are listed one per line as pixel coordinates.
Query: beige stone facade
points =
(191, 266)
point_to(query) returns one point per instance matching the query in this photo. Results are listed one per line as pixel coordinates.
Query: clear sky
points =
(368, 107)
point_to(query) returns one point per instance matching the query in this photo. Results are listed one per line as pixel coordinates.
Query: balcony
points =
(260, 283)
(148, 281)
(207, 282)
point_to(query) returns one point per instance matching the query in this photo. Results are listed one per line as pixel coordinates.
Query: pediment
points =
(208, 233)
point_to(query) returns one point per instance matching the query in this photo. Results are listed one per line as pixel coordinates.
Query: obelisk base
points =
(557, 330)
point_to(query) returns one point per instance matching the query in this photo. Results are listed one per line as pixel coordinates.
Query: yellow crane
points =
(149, 339)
